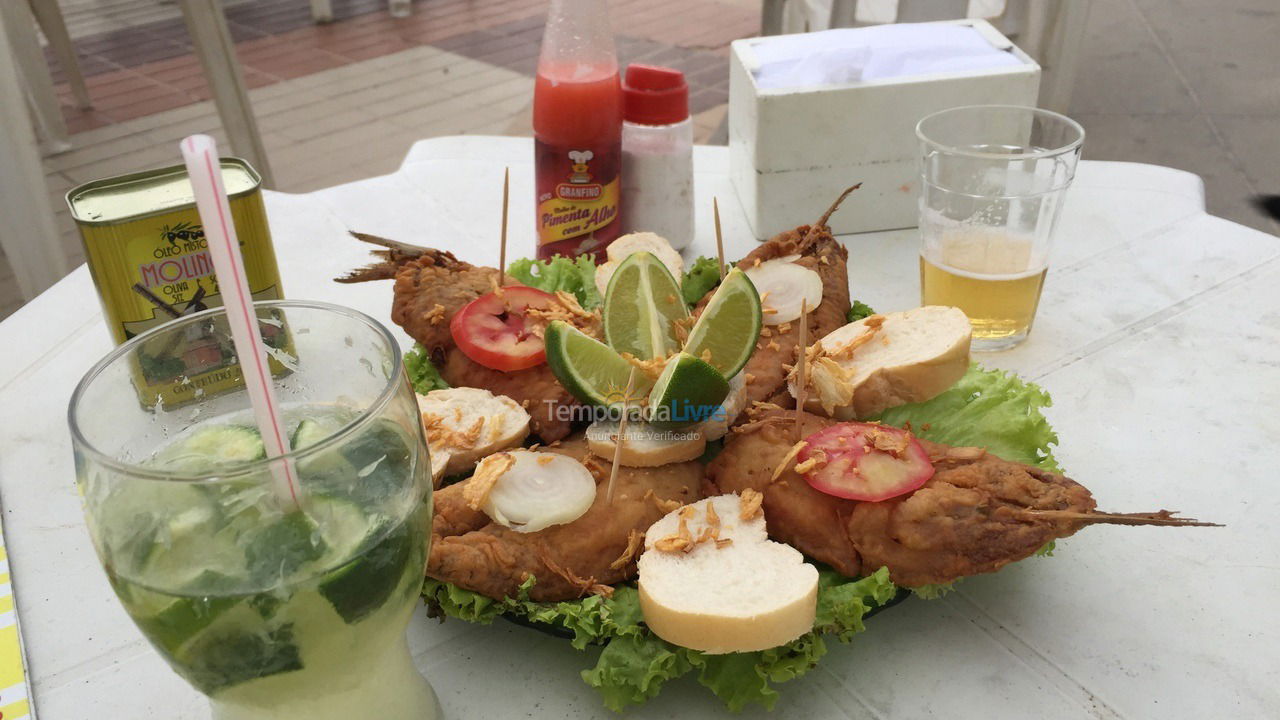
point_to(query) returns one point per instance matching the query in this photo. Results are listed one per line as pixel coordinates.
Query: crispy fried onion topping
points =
(665, 506)
(830, 372)
(439, 432)
(635, 540)
(749, 503)
(787, 459)
(490, 469)
(815, 461)
(567, 309)
(585, 585)
(683, 540)
(652, 368)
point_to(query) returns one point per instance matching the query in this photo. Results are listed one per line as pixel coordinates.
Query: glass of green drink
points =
(277, 606)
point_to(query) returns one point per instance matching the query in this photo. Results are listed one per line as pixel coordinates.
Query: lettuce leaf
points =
(699, 279)
(635, 663)
(422, 373)
(572, 275)
(857, 311)
(987, 408)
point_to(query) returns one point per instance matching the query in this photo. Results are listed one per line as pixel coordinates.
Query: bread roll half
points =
(741, 594)
(883, 361)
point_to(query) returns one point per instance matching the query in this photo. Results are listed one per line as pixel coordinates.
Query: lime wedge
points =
(588, 368)
(641, 305)
(688, 391)
(726, 332)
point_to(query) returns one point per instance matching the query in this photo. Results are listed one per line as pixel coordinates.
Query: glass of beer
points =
(993, 179)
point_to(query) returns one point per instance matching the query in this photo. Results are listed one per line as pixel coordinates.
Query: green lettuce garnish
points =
(422, 373)
(986, 407)
(857, 311)
(699, 279)
(635, 663)
(572, 275)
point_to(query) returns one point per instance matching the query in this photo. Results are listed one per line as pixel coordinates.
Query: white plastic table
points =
(1157, 336)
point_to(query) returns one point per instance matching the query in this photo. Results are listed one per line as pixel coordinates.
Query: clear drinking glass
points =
(993, 179)
(276, 605)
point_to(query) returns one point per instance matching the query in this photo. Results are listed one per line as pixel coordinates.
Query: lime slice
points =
(588, 368)
(688, 391)
(726, 332)
(641, 305)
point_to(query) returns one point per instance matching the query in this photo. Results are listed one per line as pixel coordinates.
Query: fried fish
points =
(587, 555)
(976, 514)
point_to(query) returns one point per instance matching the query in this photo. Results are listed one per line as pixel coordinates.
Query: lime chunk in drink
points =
(727, 330)
(687, 392)
(641, 305)
(592, 371)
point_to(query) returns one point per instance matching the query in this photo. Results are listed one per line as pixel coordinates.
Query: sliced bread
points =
(883, 361)
(623, 247)
(711, 580)
(465, 424)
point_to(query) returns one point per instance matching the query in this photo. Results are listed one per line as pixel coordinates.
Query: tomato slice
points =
(495, 331)
(867, 462)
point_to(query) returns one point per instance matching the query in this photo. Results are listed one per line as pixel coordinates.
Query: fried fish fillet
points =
(598, 549)
(431, 286)
(818, 251)
(976, 514)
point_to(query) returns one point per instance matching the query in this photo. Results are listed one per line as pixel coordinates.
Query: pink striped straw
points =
(205, 170)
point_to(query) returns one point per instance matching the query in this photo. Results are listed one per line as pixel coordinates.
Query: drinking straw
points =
(205, 170)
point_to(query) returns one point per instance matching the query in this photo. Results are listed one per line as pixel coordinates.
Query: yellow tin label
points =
(149, 259)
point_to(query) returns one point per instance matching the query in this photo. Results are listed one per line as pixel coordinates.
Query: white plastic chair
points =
(28, 236)
(216, 52)
(1051, 31)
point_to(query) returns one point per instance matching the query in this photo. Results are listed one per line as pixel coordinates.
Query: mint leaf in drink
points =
(222, 658)
(278, 550)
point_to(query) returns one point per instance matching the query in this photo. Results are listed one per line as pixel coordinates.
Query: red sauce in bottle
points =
(577, 128)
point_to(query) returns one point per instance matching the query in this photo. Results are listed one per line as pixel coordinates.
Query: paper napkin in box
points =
(793, 149)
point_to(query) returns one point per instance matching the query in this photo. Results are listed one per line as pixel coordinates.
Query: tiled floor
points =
(1173, 82)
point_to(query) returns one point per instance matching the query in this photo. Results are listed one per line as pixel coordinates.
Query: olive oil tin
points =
(149, 259)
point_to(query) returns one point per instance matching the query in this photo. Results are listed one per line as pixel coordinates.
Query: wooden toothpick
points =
(502, 249)
(622, 435)
(715, 209)
(801, 380)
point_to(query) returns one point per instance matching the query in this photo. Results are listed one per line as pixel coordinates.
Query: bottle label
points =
(578, 193)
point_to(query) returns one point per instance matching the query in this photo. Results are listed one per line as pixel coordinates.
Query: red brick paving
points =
(150, 69)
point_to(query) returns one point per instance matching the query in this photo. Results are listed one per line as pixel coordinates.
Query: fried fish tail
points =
(1160, 517)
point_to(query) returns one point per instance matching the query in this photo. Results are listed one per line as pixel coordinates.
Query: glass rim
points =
(236, 470)
(1035, 111)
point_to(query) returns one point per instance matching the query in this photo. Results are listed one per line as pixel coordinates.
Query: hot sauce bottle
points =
(577, 130)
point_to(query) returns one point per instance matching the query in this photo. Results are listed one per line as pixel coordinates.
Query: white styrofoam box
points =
(791, 151)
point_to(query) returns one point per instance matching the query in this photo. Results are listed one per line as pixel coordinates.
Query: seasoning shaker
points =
(657, 154)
